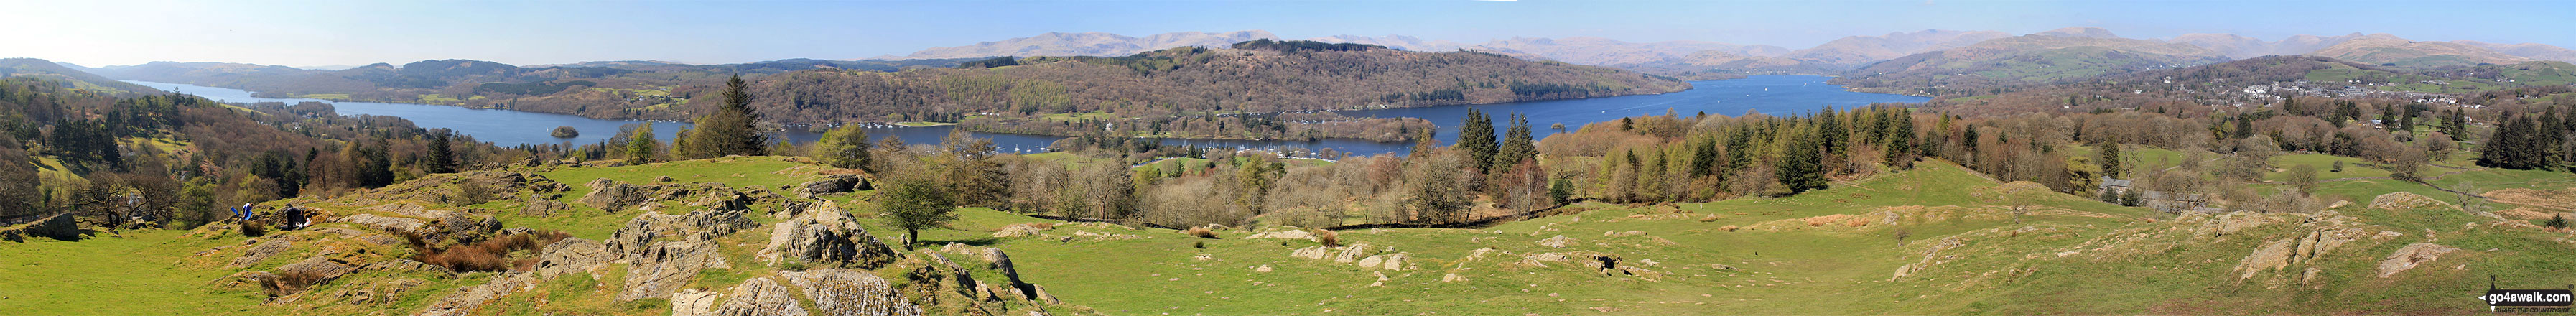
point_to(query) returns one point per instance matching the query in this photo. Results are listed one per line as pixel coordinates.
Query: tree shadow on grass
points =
(978, 242)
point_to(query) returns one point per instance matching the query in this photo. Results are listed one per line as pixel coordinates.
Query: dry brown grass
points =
(489, 255)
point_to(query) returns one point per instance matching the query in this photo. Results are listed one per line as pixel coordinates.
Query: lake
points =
(1770, 94)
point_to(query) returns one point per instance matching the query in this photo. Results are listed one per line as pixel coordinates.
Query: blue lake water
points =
(1770, 94)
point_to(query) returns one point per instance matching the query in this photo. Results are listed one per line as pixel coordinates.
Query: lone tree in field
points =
(845, 148)
(730, 129)
(913, 204)
(640, 143)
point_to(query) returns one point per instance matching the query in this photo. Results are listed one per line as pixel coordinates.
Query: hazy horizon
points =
(308, 34)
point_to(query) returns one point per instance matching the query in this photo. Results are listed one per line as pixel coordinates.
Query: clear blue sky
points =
(310, 33)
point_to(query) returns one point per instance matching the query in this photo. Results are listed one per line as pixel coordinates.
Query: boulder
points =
(1315, 252)
(1002, 262)
(610, 195)
(59, 227)
(760, 297)
(2410, 256)
(1351, 253)
(826, 238)
(537, 207)
(851, 292)
(839, 183)
(1394, 261)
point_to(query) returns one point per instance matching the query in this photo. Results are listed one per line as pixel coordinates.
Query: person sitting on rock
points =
(295, 217)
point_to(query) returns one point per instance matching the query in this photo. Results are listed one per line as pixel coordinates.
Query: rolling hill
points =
(2054, 56)
(39, 68)
(2528, 50)
(1860, 50)
(2391, 50)
(1258, 76)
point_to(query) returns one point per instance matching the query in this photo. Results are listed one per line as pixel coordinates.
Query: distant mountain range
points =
(1086, 44)
(1686, 58)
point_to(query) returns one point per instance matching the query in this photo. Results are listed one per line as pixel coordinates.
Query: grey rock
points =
(851, 292)
(760, 297)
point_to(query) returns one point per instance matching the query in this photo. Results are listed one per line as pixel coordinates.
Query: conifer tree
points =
(441, 157)
(1476, 139)
(1517, 143)
(731, 129)
(1802, 168)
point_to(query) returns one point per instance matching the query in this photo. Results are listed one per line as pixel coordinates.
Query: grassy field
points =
(127, 273)
(1964, 245)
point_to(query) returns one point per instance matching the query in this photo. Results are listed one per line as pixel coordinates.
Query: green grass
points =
(130, 273)
(1786, 271)
(2352, 167)
(770, 173)
(2070, 255)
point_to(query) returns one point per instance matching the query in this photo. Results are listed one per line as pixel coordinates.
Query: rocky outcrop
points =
(387, 223)
(838, 183)
(1284, 233)
(1394, 261)
(760, 297)
(631, 241)
(571, 255)
(692, 302)
(1557, 242)
(538, 207)
(2407, 201)
(262, 251)
(465, 300)
(1930, 257)
(611, 195)
(2408, 257)
(1019, 230)
(850, 292)
(59, 227)
(826, 237)
(666, 266)
(2272, 256)
(433, 225)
